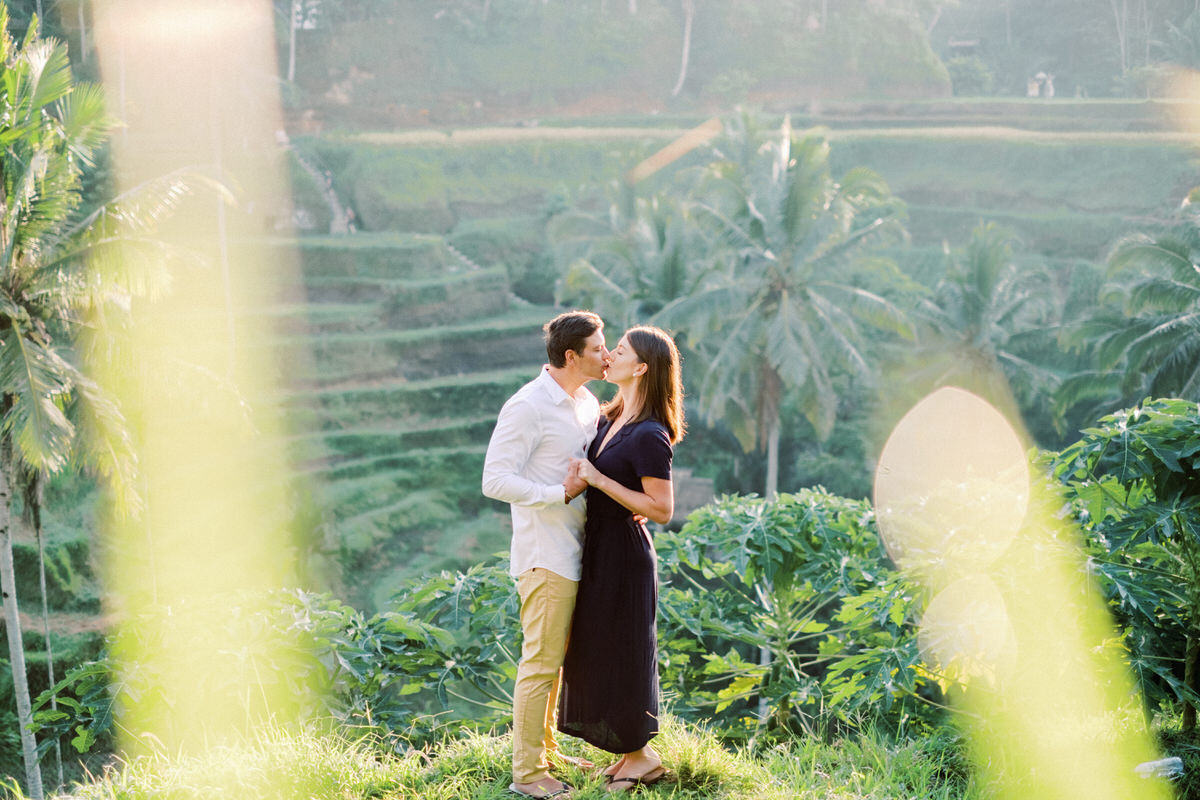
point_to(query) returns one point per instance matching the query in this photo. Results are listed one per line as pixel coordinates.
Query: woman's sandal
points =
(651, 777)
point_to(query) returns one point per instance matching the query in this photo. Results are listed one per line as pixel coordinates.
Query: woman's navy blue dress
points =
(610, 674)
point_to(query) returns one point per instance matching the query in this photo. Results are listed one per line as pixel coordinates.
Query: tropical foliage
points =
(802, 579)
(1143, 338)
(786, 617)
(49, 132)
(629, 259)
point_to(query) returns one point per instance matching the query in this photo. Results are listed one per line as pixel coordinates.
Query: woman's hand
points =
(655, 502)
(585, 470)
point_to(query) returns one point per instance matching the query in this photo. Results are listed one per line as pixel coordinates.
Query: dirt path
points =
(468, 136)
(66, 624)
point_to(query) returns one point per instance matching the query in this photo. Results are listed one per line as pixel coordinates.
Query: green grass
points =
(341, 764)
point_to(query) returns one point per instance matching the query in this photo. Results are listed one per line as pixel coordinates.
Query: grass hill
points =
(324, 766)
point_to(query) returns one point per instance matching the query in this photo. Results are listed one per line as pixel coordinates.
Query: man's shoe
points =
(564, 792)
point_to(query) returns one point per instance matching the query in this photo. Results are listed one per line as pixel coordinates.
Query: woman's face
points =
(623, 363)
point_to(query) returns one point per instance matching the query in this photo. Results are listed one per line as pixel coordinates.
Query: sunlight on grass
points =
(275, 764)
(1012, 629)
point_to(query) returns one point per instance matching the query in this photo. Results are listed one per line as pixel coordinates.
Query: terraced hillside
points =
(402, 354)
(411, 346)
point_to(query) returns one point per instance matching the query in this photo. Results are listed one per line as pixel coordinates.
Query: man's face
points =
(593, 360)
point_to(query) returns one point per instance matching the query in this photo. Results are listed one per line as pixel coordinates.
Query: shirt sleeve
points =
(652, 452)
(512, 443)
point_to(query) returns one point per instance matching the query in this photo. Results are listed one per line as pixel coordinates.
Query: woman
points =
(610, 675)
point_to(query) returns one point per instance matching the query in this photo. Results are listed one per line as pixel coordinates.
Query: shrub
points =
(969, 76)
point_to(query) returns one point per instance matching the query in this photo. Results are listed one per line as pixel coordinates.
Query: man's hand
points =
(573, 485)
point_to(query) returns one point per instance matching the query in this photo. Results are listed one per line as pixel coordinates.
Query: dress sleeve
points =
(652, 452)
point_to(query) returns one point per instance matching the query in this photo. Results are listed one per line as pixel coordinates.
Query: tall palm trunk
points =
(33, 507)
(772, 460)
(292, 24)
(82, 35)
(16, 648)
(689, 15)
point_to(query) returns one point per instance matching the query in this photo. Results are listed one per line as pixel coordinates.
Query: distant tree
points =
(791, 304)
(1181, 45)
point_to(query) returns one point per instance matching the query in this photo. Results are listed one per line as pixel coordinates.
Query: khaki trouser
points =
(547, 601)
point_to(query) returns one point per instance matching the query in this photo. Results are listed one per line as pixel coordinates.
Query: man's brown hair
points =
(569, 331)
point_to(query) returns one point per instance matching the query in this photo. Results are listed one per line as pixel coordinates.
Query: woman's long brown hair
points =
(661, 388)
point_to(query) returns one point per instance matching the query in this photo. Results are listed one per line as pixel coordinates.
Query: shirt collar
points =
(557, 394)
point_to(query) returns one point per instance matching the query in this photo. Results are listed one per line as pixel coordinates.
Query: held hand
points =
(573, 483)
(587, 472)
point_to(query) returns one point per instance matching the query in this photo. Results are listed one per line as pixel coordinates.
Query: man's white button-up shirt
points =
(540, 429)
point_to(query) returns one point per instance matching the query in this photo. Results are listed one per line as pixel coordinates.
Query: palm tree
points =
(56, 266)
(790, 307)
(986, 317)
(1145, 334)
(628, 262)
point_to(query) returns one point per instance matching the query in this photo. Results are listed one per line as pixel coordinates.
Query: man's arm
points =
(513, 441)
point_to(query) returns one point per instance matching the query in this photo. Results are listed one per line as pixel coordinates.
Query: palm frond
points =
(138, 210)
(838, 333)
(38, 381)
(93, 272)
(583, 283)
(1099, 391)
(785, 347)
(1162, 294)
(875, 310)
(1164, 254)
(732, 233)
(1158, 336)
(105, 447)
(86, 124)
(49, 73)
(707, 313)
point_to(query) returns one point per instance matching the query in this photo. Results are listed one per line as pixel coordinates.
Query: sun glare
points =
(192, 82)
(1012, 629)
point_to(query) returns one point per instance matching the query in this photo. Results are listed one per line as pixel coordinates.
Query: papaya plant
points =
(1133, 481)
(789, 606)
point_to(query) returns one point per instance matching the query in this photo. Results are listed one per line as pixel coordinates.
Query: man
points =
(548, 422)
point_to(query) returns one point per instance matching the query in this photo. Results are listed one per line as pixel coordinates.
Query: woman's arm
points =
(656, 501)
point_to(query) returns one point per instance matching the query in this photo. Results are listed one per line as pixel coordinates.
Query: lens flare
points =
(951, 485)
(1020, 641)
(193, 81)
